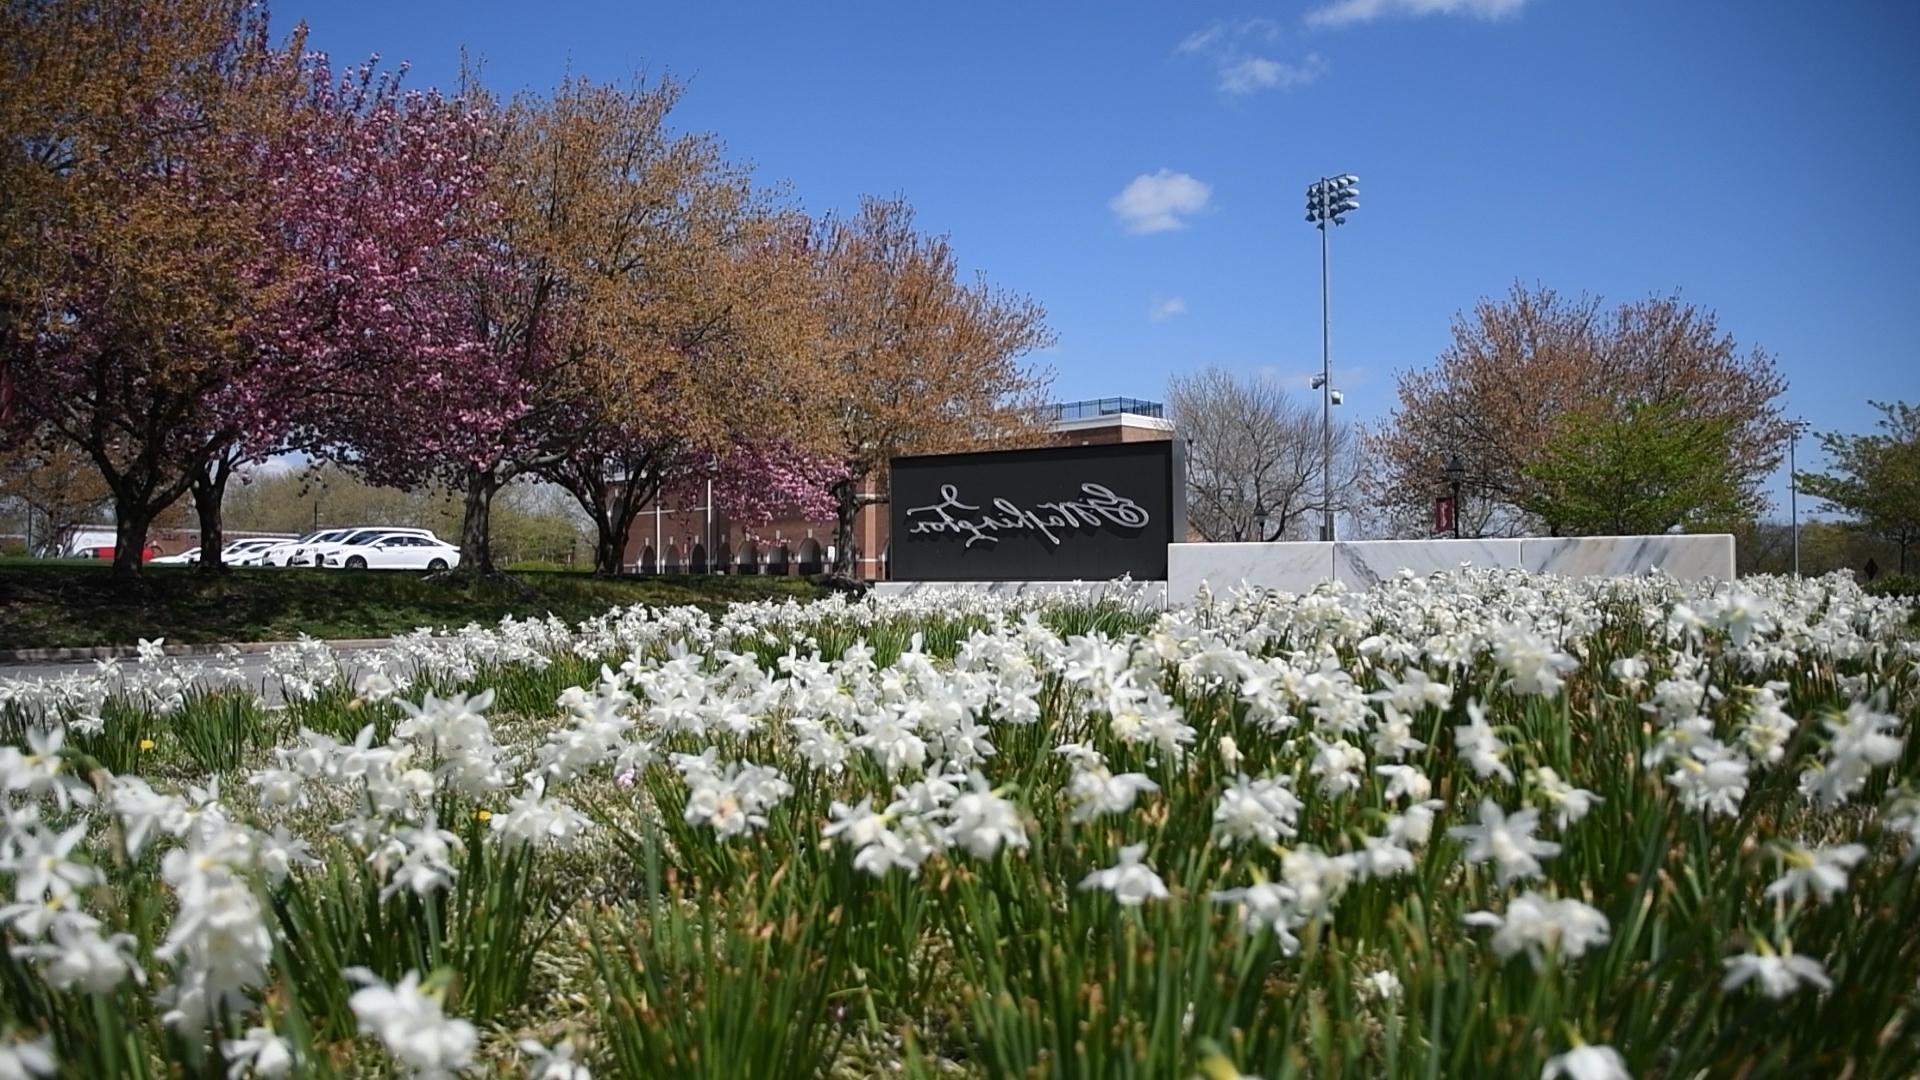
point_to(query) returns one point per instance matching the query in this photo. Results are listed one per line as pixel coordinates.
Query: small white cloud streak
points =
(1257, 73)
(1159, 201)
(1163, 309)
(1348, 12)
(1201, 40)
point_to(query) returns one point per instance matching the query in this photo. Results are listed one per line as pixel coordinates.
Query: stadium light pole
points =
(1330, 198)
(1793, 487)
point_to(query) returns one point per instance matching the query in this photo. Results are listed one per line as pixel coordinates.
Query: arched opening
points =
(779, 561)
(649, 561)
(749, 560)
(723, 558)
(809, 557)
(697, 562)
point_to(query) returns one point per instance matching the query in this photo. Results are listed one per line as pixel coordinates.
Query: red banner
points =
(1443, 514)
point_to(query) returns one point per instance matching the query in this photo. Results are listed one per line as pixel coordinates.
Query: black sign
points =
(1057, 513)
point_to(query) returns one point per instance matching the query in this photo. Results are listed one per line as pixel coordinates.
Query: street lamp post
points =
(1330, 198)
(1456, 473)
(1261, 519)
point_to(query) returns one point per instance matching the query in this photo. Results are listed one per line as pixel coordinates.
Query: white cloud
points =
(1259, 73)
(1164, 308)
(1221, 34)
(1239, 69)
(1346, 12)
(1160, 201)
(1202, 40)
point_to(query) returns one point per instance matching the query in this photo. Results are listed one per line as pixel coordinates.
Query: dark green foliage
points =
(1641, 469)
(46, 604)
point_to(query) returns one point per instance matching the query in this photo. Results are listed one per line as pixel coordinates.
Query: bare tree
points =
(1252, 449)
(55, 483)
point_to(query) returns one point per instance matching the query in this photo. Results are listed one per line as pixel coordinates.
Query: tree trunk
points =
(845, 505)
(131, 519)
(623, 513)
(209, 492)
(606, 549)
(476, 544)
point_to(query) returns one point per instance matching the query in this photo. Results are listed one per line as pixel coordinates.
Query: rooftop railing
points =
(1093, 408)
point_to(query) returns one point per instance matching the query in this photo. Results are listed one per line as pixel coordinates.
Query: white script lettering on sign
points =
(1099, 505)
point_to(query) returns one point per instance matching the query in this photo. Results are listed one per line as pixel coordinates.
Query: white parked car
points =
(315, 554)
(278, 554)
(394, 552)
(301, 552)
(238, 552)
(234, 554)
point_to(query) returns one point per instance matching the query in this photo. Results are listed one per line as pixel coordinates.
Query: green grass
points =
(48, 604)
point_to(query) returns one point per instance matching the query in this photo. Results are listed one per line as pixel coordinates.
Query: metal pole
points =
(710, 568)
(1793, 496)
(1455, 509)
(1326, 379)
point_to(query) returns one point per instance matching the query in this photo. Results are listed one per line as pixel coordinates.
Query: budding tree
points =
(915, 360)
(1517, 371)
(614, 314)
(207, 231)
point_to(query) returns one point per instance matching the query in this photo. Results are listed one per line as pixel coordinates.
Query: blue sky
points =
(1759, 156)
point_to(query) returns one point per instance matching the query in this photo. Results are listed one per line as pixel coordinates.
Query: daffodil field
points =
(1477, 825)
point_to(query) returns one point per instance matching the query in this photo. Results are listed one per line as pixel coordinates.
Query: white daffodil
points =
(1539, 925)
(557, 1063)
(1507, 841)
(982, 822)
(1821, 872)
(1568, 803)
(22, 1060)
(260, 1053)
(1587, 1063)
(1779, 974)
(1383, 984)
(1096, 792)
(412, 1025)
(1131, 881)
(1262, 810)
(1480, 747)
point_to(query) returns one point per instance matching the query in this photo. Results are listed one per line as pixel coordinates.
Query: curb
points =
(116, 652)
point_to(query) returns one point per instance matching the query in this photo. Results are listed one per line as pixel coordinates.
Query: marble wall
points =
(1298, 567)
(1358, 564)
(1147, 593)
(1292, 567)
(1689, 558)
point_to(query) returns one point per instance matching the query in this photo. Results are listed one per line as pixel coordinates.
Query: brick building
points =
(698, 538)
